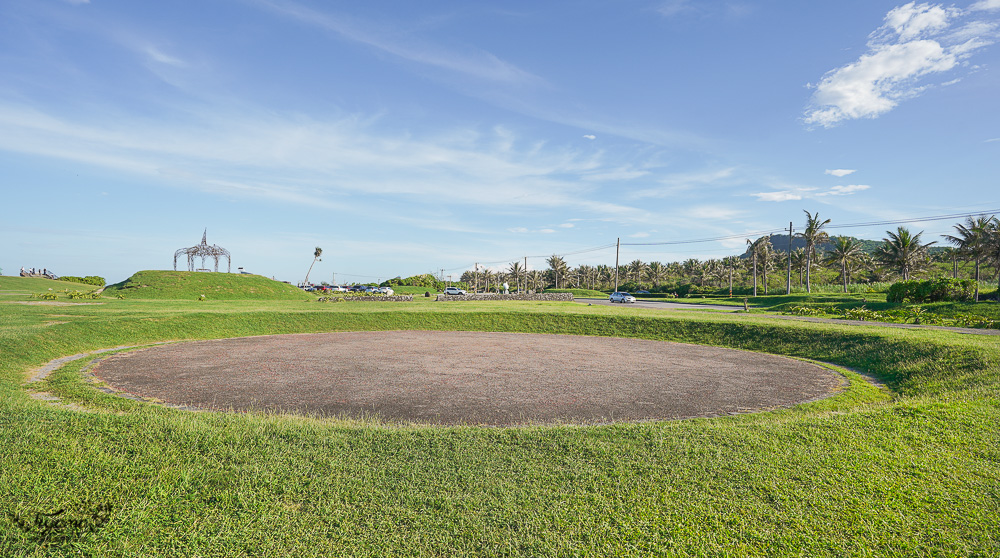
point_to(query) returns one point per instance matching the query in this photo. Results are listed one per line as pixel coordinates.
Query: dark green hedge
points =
(933, 290)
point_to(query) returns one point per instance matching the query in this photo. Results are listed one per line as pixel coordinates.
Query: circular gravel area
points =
(440, 377)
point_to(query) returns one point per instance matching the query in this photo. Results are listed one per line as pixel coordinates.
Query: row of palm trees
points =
(902, 254)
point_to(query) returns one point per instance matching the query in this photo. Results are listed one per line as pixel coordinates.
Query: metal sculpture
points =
(203, 251)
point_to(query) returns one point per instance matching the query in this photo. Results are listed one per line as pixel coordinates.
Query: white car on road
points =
(621, 297)
(453, 291)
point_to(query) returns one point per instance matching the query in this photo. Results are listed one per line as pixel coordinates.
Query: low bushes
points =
(933, 290)
(88, 280)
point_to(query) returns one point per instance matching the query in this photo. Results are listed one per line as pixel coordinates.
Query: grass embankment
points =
(858, 474)
(579, 293)
(187, 285)
(23, 286)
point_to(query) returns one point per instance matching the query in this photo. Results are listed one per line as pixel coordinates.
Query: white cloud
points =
(158, 56)
(840, 172)
(670, 8)
(639, 235)
(991, 140)
(590, 136)
(477, 64)
(298, 160)
(547, 231)
(777, 196)
(911, 20)
(986, 5)
(916, 41)
(518, 230)
(567, 225)
(844, 190)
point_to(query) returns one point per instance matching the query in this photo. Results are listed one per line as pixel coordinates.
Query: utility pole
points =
(618, 246)
(442, 274)
(476, 273)
(526, 274)
(788, 289)
(333, 278)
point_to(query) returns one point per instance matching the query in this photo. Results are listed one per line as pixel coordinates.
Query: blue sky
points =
(409, 137)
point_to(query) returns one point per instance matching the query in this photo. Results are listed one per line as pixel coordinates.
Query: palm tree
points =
(813, 235)
(655, 272)
(799, 262)
(755, 251)
(993, 250)
(844, 254)
(316, 255)
(903, 251)
(731, 262)
(516, 269)
(971, 240)
(558, 267)
(635, 270)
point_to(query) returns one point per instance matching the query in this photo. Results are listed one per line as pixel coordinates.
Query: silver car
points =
(621, 297)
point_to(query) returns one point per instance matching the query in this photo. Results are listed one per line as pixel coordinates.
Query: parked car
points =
(453, 291)
(642, 292)
(338, 288)
(385, 290)
(621, 297)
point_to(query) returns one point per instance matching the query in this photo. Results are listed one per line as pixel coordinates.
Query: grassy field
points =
(912, 470)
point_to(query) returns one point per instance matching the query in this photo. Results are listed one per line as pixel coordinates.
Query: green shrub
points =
(933, 290)
(88, 280)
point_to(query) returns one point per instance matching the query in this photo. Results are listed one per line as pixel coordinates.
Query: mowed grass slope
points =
(19, 287)
(187, 285)
(911, 472)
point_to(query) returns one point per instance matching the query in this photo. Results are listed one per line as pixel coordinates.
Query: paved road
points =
(657, 305)
(660, 305)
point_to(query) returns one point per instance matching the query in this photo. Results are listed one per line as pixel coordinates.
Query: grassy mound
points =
(19, 287)
(187, 285)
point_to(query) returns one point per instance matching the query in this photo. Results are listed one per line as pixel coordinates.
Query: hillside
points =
(23, 286)
(187, 285)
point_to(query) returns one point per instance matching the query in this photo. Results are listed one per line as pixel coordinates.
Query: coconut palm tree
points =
(814, 235)
(635, 270)
(971, 240)
(557, 267)
(844, 254)
(731, 262)
(799, 262)
(516, 269)
(655, 272)
(754, 250)
(904, 252)
(993, 249)
(316, 255)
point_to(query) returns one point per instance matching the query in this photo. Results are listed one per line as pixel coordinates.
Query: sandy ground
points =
(467, 377)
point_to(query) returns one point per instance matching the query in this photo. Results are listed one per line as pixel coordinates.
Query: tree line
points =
(902, 255)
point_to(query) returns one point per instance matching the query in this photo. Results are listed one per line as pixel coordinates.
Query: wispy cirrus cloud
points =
(471, 63)
(915, 41)
(793, 194)
(303, 161)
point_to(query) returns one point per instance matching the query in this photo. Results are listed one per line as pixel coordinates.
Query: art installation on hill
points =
(203, 251)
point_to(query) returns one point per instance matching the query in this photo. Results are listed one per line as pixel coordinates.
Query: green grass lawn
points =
(910, 471)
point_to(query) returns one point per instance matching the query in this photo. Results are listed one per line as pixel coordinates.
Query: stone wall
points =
(546, 297)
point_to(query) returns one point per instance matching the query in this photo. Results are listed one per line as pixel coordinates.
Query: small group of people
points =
(33, 272)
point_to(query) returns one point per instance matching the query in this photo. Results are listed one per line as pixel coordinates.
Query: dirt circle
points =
(439, 377)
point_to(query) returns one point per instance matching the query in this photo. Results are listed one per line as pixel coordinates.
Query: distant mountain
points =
(779, 242)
